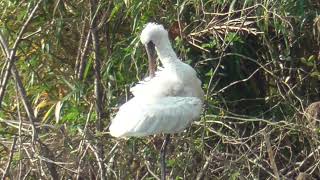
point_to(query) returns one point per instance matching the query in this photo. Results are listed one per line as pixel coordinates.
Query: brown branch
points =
(96, 152)
(150, 171)
(201, 174)
(25, 102)
(271, 155)
(97, 81)
(50, 165)
(97, 85)
(19, 130)
(80, 161)
(302, 163)
(82, 143)
(10, 159)
(30, 113)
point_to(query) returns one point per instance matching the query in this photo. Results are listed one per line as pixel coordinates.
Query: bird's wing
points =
(163, 84)
(166, 115)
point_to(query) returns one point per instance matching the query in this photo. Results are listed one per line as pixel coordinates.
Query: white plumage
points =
(166, 103)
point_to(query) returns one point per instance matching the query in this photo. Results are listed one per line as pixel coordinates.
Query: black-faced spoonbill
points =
(167, 101)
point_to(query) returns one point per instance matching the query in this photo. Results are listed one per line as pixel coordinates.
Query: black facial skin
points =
(152, 57)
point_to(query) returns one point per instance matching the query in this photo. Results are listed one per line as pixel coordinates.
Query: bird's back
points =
(179, 80)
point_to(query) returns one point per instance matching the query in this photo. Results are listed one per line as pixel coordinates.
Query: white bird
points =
(167, 101)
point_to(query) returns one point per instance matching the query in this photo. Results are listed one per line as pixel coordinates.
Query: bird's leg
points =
(163, 156)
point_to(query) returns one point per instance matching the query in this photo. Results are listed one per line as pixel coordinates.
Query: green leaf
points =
(88, 67)
(71, 115)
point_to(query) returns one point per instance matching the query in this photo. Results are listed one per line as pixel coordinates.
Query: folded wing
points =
(142, 117)
(163, 84)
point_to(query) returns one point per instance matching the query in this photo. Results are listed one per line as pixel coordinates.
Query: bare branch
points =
(201, 174)
(10, 158)
(79, 52)
(271, 155)
(25, 25)
(26, 103)
(4, 45)
(11, 54)
(43, 148)
(97, 84)
(150, 171)
(83, 56)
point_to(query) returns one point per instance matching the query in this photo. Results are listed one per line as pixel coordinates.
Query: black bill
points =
(152, 56)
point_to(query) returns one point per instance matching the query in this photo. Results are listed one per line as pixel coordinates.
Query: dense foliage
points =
(75, 62)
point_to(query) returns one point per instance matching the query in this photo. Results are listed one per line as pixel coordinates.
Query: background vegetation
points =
(67, 65)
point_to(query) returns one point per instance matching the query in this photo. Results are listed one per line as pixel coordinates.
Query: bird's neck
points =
(166, 54)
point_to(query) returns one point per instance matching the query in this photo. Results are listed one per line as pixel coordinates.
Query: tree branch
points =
(97, 84)
(30, 113)
(271, 155)
(25, 102)
(10, 159)
(11, 54)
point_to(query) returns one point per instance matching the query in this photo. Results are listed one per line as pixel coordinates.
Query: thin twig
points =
(205, 167)
(31, 34)
(82, 142)
(150, 171)
(32, 119)
(271, 155)
(302, 163)
(83, 60)
(99, 160)
(163, 156)
(4, 45)
(20, 127)
(25, 102)
(79, 51)
(80, 161)
(10, 158)
(11, 55)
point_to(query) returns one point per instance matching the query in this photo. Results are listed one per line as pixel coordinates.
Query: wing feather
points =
(145, 117)
(165, 83)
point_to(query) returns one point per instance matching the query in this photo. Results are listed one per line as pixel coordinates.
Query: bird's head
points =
(151, 36)
(154, 33)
